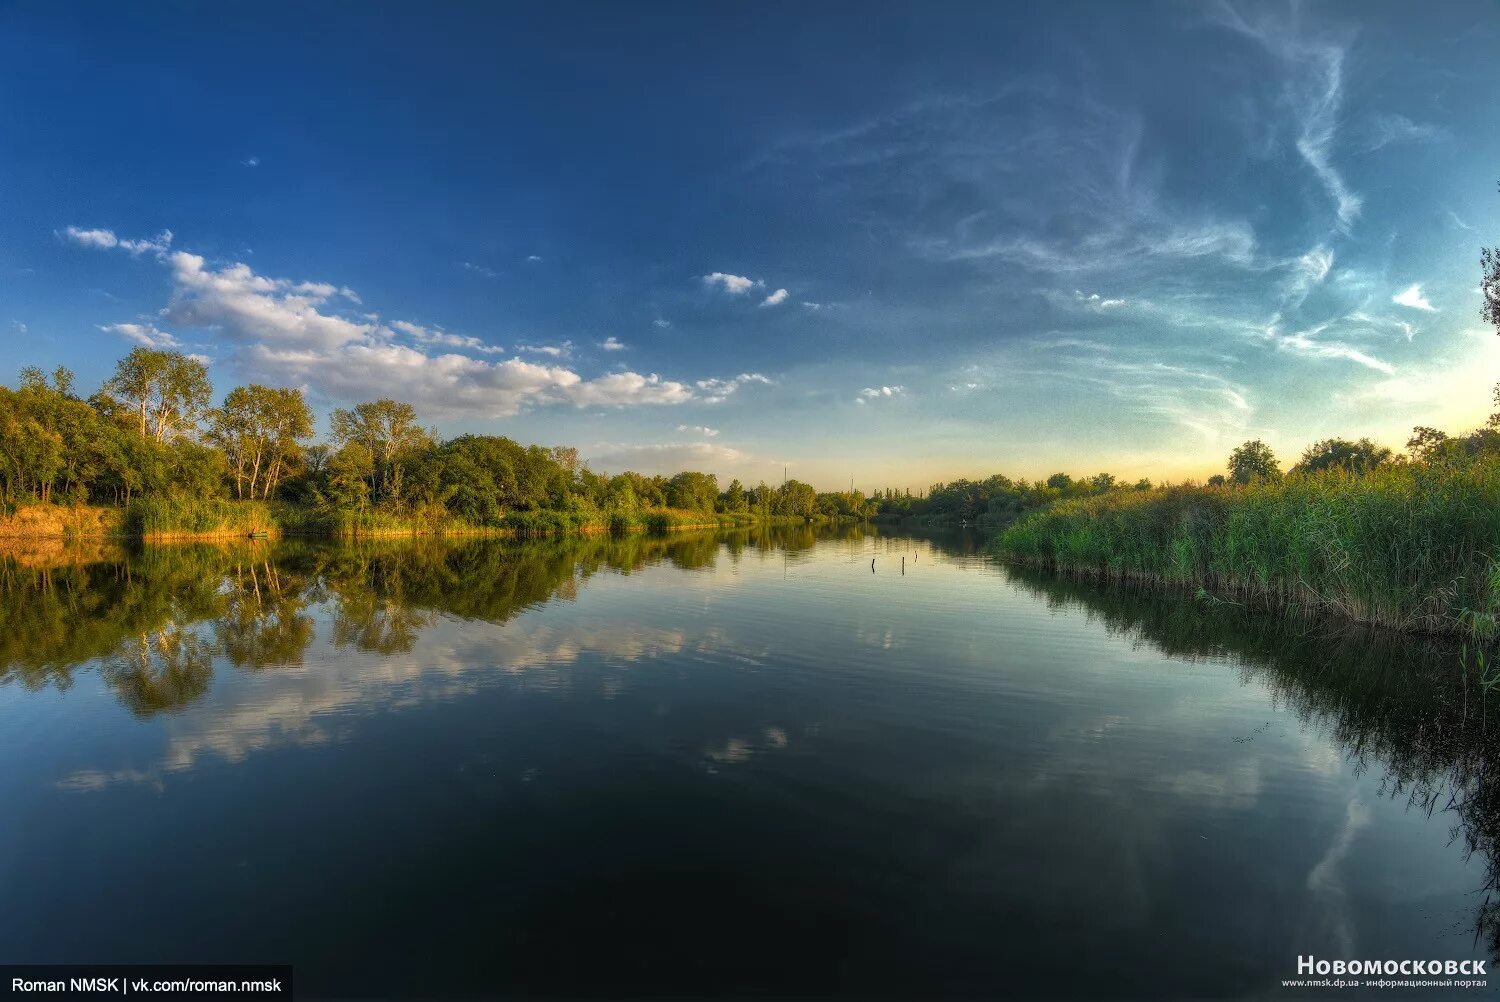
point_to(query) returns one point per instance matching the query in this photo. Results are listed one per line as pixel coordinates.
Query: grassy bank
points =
(182, 518)
(438, 522)
(177, 517)
(1406, 546)
(53, 521)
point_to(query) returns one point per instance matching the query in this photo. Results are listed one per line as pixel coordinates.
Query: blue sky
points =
(943, 241)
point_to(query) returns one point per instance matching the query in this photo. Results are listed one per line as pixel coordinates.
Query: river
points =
(717, 763)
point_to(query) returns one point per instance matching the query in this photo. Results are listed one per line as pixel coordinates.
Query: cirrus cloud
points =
(441, 338)
(563, 350)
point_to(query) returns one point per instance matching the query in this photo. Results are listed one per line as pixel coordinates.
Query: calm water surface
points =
(715, 764)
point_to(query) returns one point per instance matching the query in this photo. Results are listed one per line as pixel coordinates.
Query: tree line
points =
(152, 431)
(999, 498)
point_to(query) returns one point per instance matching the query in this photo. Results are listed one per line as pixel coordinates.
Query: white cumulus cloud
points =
(619, 389)
(879, 393)
(143, 334)
(246, 307)
(716, 391)
(1412, 297)
(291, 333)
(102, 239)
(736, 285)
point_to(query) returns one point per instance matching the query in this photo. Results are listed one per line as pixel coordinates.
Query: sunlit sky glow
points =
(945, 241)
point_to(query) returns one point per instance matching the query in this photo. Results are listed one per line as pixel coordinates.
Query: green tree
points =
(1489, 286)
(1253, 461)
(389, 433)
(621, 496)
(260, 429)
(51, 443)
(478, 476)
(735, 500)
(1425, 443)
(347, 484)
(167, 391)
(315, 458)
(190, 469)
(1339, 453)
(693, 491)
(762, 500)
(796, 499)
(62, 380)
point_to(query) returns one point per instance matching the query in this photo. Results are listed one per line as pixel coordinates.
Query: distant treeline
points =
(1000, 499)
(151, 441)
(996, 499)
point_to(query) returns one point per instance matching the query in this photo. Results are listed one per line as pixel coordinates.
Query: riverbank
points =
(47, 521)
(188, 520)
(1407, 546)
(944, 521)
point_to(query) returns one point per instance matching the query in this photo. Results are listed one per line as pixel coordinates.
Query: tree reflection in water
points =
(154, 619)
(160, 672)
(154, 623)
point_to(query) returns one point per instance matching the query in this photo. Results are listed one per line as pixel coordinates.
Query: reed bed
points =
(165, 516)
(1406, 546)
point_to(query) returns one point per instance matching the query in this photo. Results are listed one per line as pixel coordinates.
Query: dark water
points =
(720, 764)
